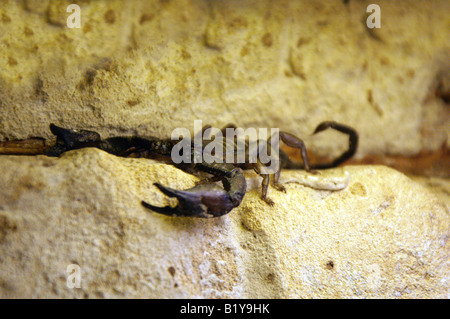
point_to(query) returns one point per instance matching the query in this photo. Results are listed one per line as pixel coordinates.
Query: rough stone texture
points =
(382, 236)
(149, 66)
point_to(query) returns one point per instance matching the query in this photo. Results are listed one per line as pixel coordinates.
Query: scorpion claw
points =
(204, 200)
(269, 202)
(75, 138)
(68, 139)
(280, 187)
(167, 190)
(167, 210)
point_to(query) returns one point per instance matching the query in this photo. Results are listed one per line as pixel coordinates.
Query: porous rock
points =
(148, 67)
(382, 236)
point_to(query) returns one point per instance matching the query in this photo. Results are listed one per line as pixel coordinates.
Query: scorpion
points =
(207, 199)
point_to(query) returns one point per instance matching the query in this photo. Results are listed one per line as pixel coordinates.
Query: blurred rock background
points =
(148, 67)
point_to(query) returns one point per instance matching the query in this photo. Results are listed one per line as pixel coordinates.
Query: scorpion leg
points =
(258, 168)
(206, 200)
(294, 142)
(276, 182)
(291, 141)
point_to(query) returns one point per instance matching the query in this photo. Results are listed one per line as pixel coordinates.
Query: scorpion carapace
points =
(207, 199)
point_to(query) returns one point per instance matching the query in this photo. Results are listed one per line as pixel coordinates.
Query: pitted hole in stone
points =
(171, 271)
(329, 265)
(358, 189)
(270, 277)
(442, 90)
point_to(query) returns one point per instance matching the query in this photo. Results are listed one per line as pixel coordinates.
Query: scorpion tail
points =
(353, 142)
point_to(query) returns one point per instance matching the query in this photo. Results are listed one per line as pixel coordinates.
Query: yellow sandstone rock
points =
(382, 236)
(148, 67)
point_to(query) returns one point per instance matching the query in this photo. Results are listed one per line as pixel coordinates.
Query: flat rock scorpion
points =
(207, 199)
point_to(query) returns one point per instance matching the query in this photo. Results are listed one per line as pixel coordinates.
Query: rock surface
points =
(148, 67)
(382, 236)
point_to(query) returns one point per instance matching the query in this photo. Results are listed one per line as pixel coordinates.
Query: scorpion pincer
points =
(208, 199)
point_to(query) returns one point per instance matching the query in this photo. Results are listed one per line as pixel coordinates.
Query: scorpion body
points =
(207, 199)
